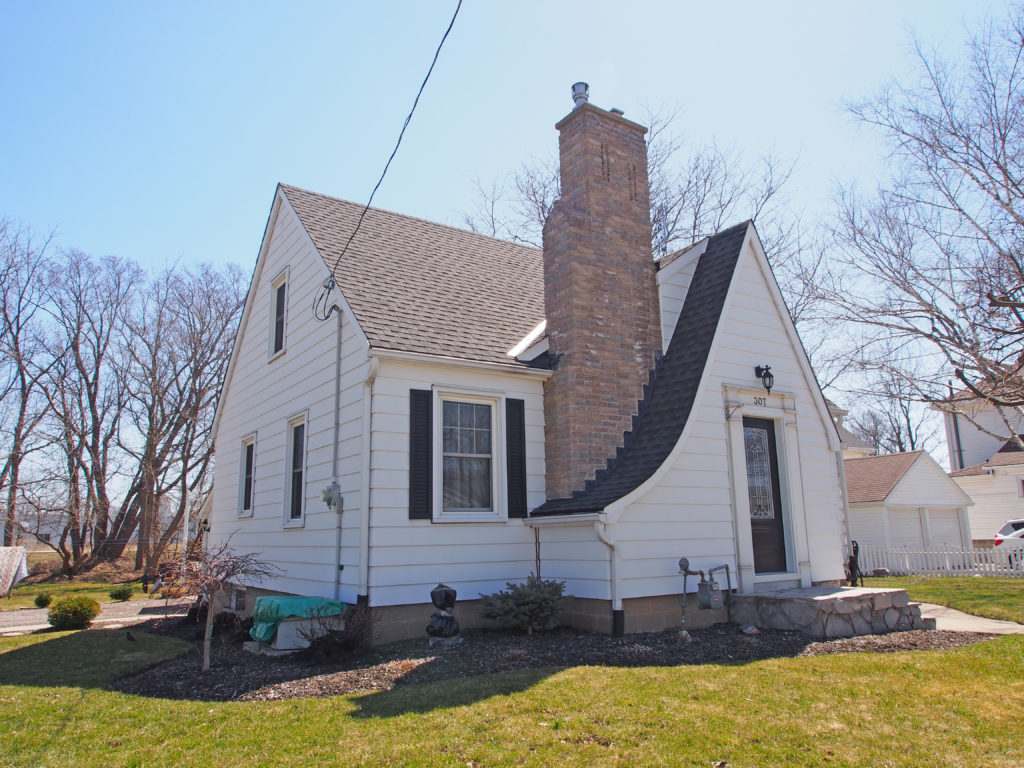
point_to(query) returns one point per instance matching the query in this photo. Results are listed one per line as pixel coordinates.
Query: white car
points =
(1010, 541)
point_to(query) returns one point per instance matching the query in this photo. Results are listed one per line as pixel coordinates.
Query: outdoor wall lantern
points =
(764, 373)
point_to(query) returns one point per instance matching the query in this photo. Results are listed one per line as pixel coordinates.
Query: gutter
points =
(363, 596)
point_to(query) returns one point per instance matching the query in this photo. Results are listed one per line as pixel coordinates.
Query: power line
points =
(320, 309)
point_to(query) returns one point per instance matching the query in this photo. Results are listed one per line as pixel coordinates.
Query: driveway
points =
(958, 621)
(112, 615)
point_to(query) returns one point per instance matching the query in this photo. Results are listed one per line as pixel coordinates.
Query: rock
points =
(892, 617)
(750, 629)
(861, 626)
(883, 600)
(881, 572)
(838, 626)
(801, 612)
(684, 636)
(900, 599)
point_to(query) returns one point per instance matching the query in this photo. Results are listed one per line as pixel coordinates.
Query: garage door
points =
(945, 528)
(905, 529)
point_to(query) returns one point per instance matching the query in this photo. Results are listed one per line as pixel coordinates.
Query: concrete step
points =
(827, 612)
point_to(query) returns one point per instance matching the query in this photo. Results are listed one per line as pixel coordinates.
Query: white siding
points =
(926, 485)
(690, 511)
(409, 557)
(574, 555)
(997, 498)
(673, 283)
(261, 396)
(976, 445)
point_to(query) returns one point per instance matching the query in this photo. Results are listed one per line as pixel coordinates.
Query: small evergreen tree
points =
(530, 606)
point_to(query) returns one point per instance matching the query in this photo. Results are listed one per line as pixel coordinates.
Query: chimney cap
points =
(580, 93)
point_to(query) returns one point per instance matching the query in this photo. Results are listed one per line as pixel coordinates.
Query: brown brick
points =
(600, 295)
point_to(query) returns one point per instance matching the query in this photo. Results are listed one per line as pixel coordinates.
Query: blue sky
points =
(158, 131)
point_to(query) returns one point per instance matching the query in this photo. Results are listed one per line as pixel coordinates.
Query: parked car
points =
(1010, 540)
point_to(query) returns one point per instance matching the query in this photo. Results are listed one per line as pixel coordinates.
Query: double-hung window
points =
(467, 456)
(295, 465)
(246, 475)
(467, 461)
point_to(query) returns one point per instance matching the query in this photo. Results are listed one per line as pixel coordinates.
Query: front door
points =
(765, 499)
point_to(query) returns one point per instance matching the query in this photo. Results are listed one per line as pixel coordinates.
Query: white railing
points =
(942, 561)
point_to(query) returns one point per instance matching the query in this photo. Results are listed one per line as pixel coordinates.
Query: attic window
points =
(278, 314)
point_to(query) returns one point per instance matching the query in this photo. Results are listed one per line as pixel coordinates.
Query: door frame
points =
(780, 408)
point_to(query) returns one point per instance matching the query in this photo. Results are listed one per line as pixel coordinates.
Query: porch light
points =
(764, 373)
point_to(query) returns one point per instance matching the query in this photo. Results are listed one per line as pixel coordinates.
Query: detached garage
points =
(905, 500)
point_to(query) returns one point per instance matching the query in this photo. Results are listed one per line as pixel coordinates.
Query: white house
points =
(905, 500)
(854, 447)
(489, 410)
(987, 468)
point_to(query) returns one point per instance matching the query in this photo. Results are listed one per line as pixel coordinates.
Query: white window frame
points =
(499, 494)
(299, 419)
(275, 285)
(248, 440)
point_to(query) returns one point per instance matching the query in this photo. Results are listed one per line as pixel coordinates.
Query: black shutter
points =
(421, 444)
(515, 452)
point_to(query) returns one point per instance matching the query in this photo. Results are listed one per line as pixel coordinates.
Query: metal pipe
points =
(339, 504)
(364, 491)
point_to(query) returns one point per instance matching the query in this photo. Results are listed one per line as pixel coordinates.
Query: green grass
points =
(994, 597)
(24, 595)
(943, 708)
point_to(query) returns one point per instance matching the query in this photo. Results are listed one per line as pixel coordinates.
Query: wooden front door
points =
(766, 523)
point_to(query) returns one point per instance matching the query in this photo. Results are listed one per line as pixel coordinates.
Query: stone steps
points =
(827, 612)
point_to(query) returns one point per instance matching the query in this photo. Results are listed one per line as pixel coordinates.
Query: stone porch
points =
(827, 612)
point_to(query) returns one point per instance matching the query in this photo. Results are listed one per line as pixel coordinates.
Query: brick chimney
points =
(600, 295)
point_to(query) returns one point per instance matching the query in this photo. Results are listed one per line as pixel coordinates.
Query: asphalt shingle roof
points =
(663, 413)
(872, 478)
(1003, 458)
(417, 286)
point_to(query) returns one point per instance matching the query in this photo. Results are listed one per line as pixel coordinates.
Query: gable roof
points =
(417, 286)
(669, 398)
(1001, 459)
(873, 478)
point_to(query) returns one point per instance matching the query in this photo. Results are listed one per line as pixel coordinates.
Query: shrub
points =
(326, 641)
(530, 606)
(74, 612)
(43, 599)
(121, 592)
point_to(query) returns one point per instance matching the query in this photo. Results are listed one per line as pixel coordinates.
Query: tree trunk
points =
(208, 633)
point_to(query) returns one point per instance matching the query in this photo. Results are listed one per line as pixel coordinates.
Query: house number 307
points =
(760, 401)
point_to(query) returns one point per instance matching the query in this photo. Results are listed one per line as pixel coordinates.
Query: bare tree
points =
(931, 265)
(219, 566)
(24, 361)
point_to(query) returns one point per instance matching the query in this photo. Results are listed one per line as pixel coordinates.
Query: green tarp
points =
(271, 611)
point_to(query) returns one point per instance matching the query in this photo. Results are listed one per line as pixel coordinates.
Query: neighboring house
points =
(489, 410)
(853, 447)
(905, 500)
(988, 469)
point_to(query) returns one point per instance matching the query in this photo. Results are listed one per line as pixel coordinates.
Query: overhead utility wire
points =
(324, 312)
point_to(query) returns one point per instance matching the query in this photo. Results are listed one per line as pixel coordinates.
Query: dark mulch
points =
(238, 675)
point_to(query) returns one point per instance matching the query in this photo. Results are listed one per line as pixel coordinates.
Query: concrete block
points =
(900, 599)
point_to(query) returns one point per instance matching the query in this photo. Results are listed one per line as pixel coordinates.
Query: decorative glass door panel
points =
(766, 523)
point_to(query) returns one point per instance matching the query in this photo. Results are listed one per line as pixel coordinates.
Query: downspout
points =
(338, 503)
(364, 492)
(959, 448)
(841, 468)
(618, 617)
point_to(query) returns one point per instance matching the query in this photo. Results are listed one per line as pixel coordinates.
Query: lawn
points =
(937, 708)
(24, 595)
(995, 597)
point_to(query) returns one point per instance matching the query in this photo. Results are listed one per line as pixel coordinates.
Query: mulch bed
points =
(238, 675)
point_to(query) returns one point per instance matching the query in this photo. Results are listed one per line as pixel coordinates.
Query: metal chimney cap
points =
(580, 93)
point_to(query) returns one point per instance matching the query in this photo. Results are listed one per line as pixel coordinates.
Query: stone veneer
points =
(826, 612)
(600, 295)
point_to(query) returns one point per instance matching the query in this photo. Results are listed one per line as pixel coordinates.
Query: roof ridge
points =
(388, 211)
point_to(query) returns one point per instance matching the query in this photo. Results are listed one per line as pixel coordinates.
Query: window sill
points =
(297, 523)
(491, 518)
(276, 355)
(244, 515)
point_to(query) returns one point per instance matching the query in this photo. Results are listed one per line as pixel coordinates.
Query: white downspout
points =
(841, 467)
(339, 503)
(601, 530)
(364, 491)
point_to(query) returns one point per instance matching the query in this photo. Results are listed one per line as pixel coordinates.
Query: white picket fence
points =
(943, 561)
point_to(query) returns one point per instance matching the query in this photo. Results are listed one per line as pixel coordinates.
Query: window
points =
(467, 456)
(295, 467)
(467, 476)
(280, 307)
(245, 476)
